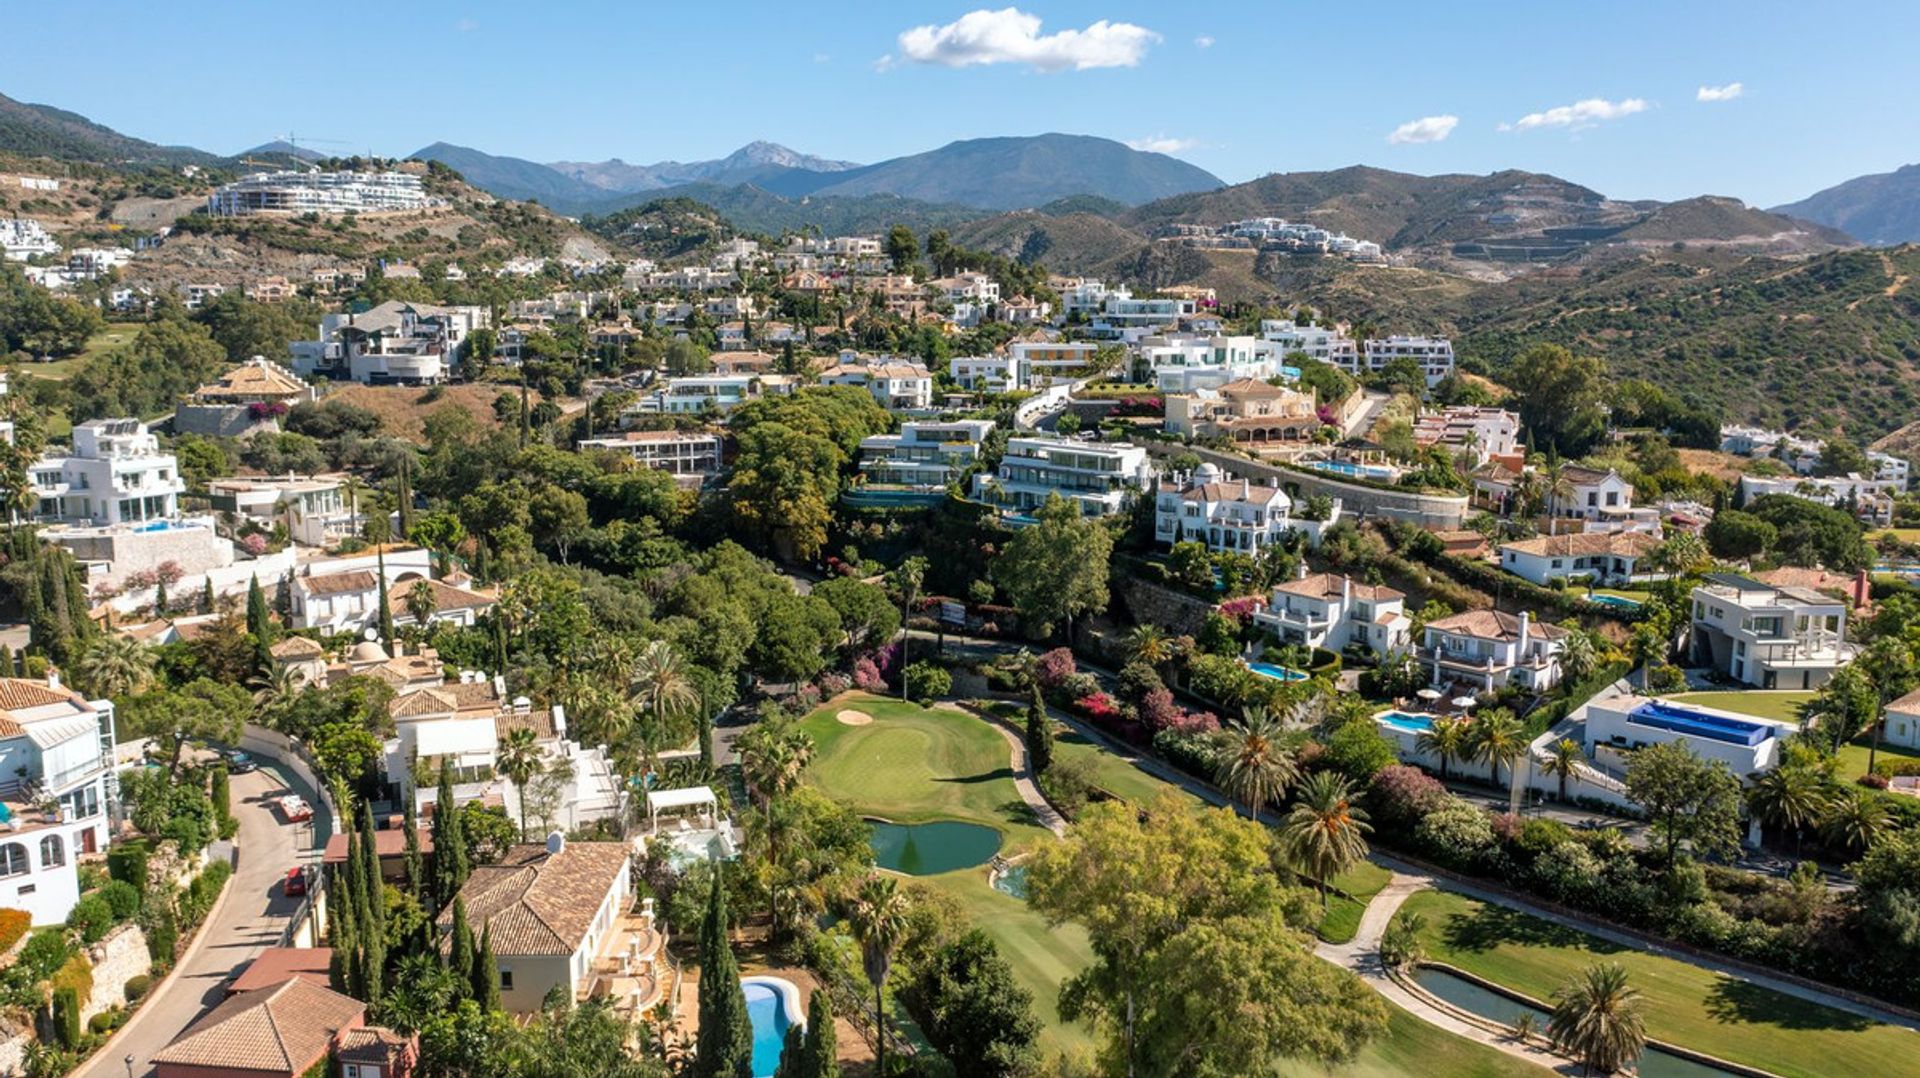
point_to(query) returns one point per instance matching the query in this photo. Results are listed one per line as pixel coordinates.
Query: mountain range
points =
(1880, 209)
(44, 131)
(748, 164)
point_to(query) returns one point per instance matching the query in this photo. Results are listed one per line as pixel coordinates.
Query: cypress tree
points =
(206, 595)
(160, 598)
(403, 494)
(6, 661)
(460, 957)
(416, 864)
(486, 980)
(1039, 734)
(793, 1053)
(822, 1059)
(725, 1045)
(450, 864)
(499, 641)
(386, 605)
(370, 868)
(259, 625)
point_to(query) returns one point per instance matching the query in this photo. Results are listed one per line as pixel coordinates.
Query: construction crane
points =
(295, 141)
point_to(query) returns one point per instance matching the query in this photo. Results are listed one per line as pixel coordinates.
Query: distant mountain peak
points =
(1881, 209)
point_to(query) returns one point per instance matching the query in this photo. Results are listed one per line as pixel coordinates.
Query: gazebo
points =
(700, 797)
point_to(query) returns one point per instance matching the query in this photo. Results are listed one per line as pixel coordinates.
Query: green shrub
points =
(928, 681)
(90, 917)
(128, 861)
(137, 986)
(13, 925)
(66, 1017)
(44, 954)
(121, 897)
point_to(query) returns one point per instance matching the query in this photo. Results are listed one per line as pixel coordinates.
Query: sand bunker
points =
(850, 717)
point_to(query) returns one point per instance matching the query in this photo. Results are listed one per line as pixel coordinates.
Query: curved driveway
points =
(251, 915)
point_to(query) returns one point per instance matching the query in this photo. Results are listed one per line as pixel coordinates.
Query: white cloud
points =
(1011, 36)
(1720, 93)
(822, 58)
(1425, 129)
(885, 64)
(1579, 114)
(1204, 41)
(1162, 144)
(466, 26)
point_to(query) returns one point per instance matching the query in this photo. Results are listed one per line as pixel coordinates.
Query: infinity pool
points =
(1277, 673)
(928, 849)
(1620, 601)
(1405, 720)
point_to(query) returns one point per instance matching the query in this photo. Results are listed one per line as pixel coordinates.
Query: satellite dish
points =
(370, 634)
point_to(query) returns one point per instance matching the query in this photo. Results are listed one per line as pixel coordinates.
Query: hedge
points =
(1573, 694)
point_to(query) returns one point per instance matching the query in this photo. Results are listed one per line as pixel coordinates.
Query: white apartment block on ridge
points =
(319, 192)
(1766, 636)
(925, 455)
(1433, 354)
(1102, 477)
(56, 749)
(115, 474)
(1324, 343)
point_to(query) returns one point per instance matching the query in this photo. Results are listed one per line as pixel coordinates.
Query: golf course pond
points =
(934, 847)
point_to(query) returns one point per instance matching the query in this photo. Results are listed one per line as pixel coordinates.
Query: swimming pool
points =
(773, 1005)
(1620, 601)
(1406, 720)
(1355, 471)
(1661, 715)
(928, 849)
(1277, 673)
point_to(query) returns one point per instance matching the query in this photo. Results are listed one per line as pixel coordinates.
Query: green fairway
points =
(1110, 772)
(1686, 1005)
(1360, 883)
(1412, 1047)
(913, 764)
(1782, 706)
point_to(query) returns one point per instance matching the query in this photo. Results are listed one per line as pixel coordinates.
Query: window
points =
(506, 979)
(52, 852)
(13, 859)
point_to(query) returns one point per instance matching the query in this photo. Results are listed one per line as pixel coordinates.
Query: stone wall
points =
(1176, 612)
(220, 420)
(120, 956)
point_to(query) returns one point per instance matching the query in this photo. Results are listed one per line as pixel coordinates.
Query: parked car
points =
(295, 808)
(295, 884)
(239, 763)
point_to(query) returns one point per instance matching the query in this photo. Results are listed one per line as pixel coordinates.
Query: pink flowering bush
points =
(255, 544)
(1239, 610)
(1158, 710)
(1054, 668)
(833, 684)
(1194, 723)
(1403, 794)
(867, 676)
(1099, 707)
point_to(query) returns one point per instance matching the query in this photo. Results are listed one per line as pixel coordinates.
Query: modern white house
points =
(1123, 315)
(1324, 343)
(343, 594)
(1600, 557)
(555, 912)
(313, 509)
(715, 392)
(925, 455)
(680, 453)
(998, 373)
(289, 193)
(1486, 650)
(1481, 432)
(1331, 611)
(1872, 499)
(1103, 477)
(1768, 636)
(56, 751)
(1228, 516)
(395, 343)
(1183, 364)
(115, 474)
(1590, 494)
(1433, 354)
(1617, 726)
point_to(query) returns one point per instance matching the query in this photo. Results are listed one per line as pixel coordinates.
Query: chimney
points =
(522, 705)
(1346, 591)
(1301, 572)
(1862, 589)
(53, 678)
(556, 841)
(1525, 619)
(560, 722)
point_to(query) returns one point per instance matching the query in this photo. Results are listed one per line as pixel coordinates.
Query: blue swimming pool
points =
(1276, 672)
(771, 1007)
(1620, 601)
(1404, 720)
(1661, 715)
(1356, 471)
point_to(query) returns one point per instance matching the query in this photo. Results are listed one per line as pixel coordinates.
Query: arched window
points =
(52, 852)
(13, 859)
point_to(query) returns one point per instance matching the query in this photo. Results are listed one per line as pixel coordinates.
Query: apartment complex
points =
(1433, 354)
(1768, 636)
(319, 192)
(1101, 477)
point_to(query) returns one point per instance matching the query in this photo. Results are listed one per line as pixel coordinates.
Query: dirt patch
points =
(850, 717)
(403, 410)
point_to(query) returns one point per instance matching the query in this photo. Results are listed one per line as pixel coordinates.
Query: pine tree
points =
(460, 957)
(1039, 734)
(416, 864)
(260, 625)
(823, 1056)
(486, 980)
(725, 1045)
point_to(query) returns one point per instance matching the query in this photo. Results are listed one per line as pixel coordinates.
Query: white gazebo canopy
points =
(701, 797)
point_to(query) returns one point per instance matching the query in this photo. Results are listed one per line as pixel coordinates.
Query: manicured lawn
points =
(1686, 1005)
(1360, 883)
(1782, 706)
(1412, 1047)
(1905, 535)
(1853, 756)
(1111, 773)
(1042, 957)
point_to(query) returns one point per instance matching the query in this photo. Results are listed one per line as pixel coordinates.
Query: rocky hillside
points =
(1878, 209)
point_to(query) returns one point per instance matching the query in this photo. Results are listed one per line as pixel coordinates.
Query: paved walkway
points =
(1043, 810)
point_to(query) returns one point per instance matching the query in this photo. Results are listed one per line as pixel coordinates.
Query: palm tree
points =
(1596, 1019)
(878, 919)
(275, 686)
(660, 686)
(1325, 833)
(518, 761)
(114, 665)
(1682, 553)
(1448, 739)
(421, 602)
(1563, 761)
(1577, 655)
(1150, 644)
(1256, 768)
(1854, 820)
(908, 578)
(1790, 798)
(1497, 738)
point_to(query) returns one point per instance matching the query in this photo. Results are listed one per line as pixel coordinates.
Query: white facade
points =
(56, 751)
(343, 594)
(1604, 557)
(1101, 477)
(1433, 354)
(1902, 726)
(319, 192)
(897, 386)
(1483, 432)
(1178, 364)
(1486, 650)
(1227, 516)
(1326, 610)
(1747, 745)
(1122, 314)
(1591, 495)
(680, 453)
(991, 374)
(715, 392)
(22, 238)
(1768, 637)
(1324, 343)
(395, 343)
(924, 455)
(313, 509)
(115, 474)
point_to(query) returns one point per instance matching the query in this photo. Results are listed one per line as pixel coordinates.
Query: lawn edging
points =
(1494, 1026)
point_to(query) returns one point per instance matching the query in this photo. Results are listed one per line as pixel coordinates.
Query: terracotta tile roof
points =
(376, 1045)
(339, 583)
(276, 965)
(17, 693)
(444, 699)
(1494, 625)
(445, 596)
(539, 720)
(257, 378)
(1585, 476)
(1226, 492)
(1908, 704)
(540, 903)
(1332, 585)
(388, 842)
(1252, 387)
(284, 1029)
(1587, 544)
(296, 647)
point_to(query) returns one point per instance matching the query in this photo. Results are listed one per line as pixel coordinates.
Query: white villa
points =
(1902, 723)
(1591, 494)
(1601, 557)
(1486, 650)
(925, 455)
(897, 386)
(1183, 364)
(1618, 725)
(715, 392)
(115, 474)
(56, 749)
(1327, 610)
(313, 509)
(1483, 432)
(1101, 477)
(395, 343)
(1770, 637)
(1228, 517)
(319, 192)
(680, 453)
(1324, 343)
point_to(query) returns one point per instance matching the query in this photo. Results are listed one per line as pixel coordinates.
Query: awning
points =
(682, 798)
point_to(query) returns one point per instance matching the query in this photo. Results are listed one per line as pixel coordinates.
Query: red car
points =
(296, 882)
(295, 808)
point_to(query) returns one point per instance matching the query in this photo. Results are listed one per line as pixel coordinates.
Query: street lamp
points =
(129, 1065)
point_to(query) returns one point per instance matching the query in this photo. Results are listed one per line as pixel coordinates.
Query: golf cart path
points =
(1023, 778)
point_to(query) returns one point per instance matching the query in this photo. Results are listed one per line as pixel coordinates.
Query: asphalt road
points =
(252, 916)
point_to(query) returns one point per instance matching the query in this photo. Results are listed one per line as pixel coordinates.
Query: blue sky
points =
(1241, 89)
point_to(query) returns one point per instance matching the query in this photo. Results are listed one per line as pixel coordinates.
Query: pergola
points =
(701, 797)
